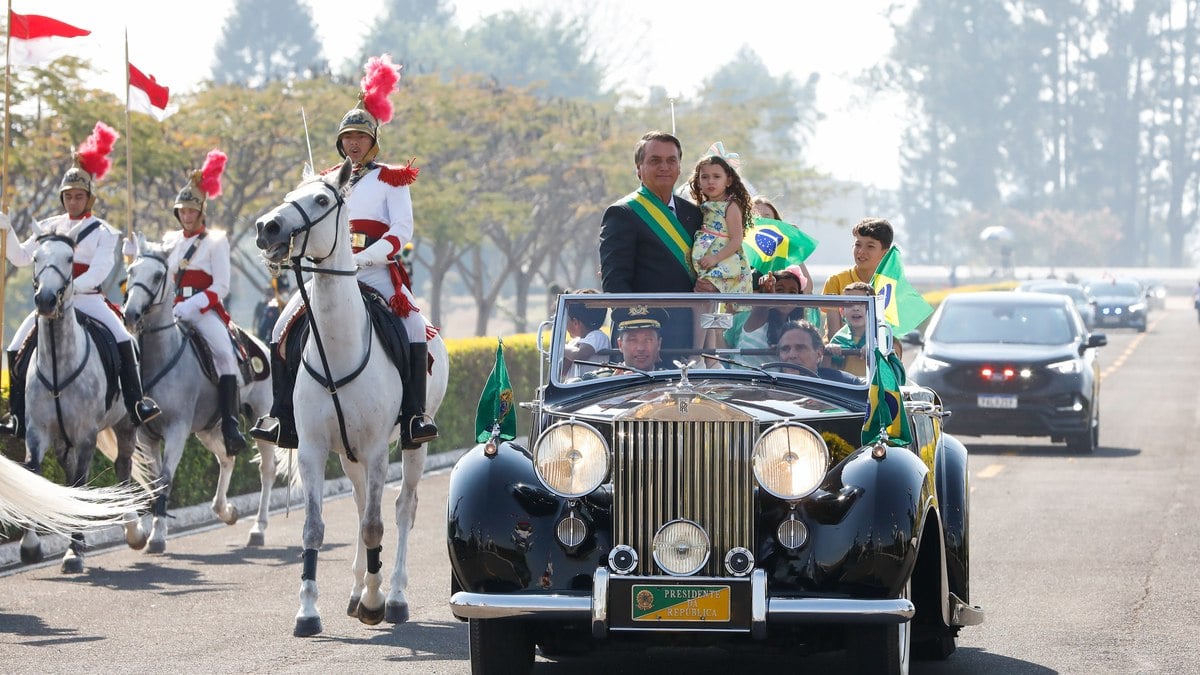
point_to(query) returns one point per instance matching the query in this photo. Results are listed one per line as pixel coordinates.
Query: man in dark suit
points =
(646, 237)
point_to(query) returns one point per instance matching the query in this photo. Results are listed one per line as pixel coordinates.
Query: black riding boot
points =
(14, 424)
(280, 426)
(141, 408)
(227, 398)
(417, 428)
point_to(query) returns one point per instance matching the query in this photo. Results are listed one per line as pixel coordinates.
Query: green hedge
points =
(471, 361)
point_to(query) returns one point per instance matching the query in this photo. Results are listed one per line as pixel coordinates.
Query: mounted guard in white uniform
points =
(95, 256)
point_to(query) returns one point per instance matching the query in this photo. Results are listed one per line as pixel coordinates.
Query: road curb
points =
(201, 515)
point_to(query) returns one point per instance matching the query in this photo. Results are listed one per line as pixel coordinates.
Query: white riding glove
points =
(5, 223)
(188, 311)
(379, 253)
(130, 247)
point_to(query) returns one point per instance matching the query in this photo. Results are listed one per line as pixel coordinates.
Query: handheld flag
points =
(35, 40)
(495, 411)
(771, 245)
(885, 410)
(156, 95)
(903, 307)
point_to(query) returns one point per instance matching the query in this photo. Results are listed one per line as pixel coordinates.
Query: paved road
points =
(1084, 565)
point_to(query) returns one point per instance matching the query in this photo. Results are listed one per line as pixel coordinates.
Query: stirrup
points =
(11, 426)
(419, 431)
(145, 410)
(234, 441)
(265, 429)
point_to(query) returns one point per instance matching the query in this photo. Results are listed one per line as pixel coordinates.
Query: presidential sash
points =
(663, 223)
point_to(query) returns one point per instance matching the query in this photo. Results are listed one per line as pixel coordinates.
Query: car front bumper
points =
(764, 609)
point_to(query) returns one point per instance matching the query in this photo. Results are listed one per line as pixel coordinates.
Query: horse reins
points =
(148, 384)
(54, 387)
(331, 385)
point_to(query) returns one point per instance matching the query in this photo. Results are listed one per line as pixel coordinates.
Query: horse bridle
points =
(331, 385)
(63, 276)
(157, 296)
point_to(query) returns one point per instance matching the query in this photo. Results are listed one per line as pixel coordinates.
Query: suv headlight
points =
(571, 459)
(1068, 367)
(790, 460)
(930, 365)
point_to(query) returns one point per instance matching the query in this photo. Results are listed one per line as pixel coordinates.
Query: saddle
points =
(387, 325)
(106, 351)
(252, 360)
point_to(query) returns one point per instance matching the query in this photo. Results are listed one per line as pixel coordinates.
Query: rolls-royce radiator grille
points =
(699, 471)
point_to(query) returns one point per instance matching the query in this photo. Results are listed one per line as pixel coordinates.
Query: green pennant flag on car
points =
(903, 307)
(885, 410)
(771, 245)
(495, 409)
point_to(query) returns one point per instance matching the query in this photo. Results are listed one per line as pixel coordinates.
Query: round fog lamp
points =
(681, 547)
(792, 533)
(570, 531)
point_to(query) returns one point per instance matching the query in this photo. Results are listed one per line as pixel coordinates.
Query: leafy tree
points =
(267, 41)
(419, 34)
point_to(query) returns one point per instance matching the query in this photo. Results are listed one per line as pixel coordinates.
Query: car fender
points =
(501, 521)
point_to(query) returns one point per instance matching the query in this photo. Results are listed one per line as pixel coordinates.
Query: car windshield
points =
(1074, 292)
(780, 336)
(1007, 322)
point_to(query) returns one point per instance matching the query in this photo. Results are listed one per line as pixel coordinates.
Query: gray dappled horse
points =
(172, 375)
(66, 406)
(356, 416)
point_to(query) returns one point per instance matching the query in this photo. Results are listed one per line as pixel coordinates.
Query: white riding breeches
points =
(91, 304)
(413, 323)
(216, 334)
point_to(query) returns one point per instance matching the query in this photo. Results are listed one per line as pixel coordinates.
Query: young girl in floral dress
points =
(717, 252)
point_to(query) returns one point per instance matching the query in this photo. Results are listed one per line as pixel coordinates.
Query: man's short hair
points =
(876, 228)
(639, 152)
(814, 335)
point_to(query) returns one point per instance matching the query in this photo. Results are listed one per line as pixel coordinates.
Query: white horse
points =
(172, 375)
(347, 397)
(66, 405)
(30, 501)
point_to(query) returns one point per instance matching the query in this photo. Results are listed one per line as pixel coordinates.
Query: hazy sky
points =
(670, 43)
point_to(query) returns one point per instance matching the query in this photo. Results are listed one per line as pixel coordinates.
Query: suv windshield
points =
(641, 336)
(1003, 322)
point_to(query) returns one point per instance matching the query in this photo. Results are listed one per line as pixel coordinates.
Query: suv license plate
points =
(1005, 401)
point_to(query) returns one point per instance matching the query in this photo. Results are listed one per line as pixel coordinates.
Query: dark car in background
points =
(1085, 304)
(1014, 364)
(1120, 302)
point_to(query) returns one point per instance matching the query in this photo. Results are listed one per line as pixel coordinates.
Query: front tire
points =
(500, 647)
(882, 649)
(1086, 442)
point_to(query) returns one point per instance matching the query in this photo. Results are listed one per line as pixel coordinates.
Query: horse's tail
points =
(142, 474)
(283, 459)
(287, 463)
(31, 501)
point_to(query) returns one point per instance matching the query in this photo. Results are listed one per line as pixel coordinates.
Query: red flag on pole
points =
(157, 94)
(38, 39)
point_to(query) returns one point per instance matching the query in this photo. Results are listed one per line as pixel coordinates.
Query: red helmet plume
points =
(377, 85)
(210, 174)
(92, 156)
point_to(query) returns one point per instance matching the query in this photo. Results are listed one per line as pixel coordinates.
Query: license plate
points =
(1005, 401)
(651, 603)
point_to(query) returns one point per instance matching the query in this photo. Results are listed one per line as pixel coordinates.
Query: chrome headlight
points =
(571, 459)
(681, 547)
(790, 460)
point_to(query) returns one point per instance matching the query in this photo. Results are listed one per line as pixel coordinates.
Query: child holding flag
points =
(845, 348)
(872, 239)
(725, 202)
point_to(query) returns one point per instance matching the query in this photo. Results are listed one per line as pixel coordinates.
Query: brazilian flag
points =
(903, 307)
(885, 412)
(496, 403)
(771, 245)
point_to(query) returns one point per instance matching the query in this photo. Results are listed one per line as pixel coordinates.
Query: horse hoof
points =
(371, 617)
(256, 539)
(233, 515)
(31, 555)
(72, 566)
(157, 546)
(352, 608)
(396, 612)
(307, 626)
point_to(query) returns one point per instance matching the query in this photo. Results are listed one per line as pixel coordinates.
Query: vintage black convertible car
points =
(710, 493)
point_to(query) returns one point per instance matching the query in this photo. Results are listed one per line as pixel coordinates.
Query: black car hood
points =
(999, 351)
(1117, 300)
